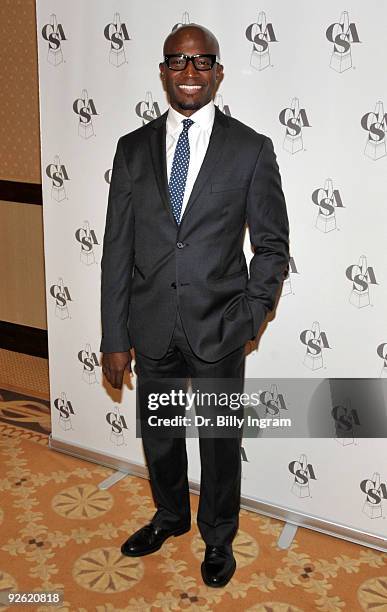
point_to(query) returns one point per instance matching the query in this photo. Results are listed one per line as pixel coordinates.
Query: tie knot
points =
(187, 124)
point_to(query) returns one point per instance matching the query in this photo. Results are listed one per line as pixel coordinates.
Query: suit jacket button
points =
(180, 245)
(173, 285)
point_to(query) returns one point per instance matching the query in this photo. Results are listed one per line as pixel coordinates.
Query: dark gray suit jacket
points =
(150, 264)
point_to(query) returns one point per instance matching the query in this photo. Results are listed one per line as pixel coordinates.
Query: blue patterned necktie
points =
(179, 171)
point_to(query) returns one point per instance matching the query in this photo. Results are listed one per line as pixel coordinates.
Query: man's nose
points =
(190, 69)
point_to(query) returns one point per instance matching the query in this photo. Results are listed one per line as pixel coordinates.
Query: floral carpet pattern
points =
(60, 532)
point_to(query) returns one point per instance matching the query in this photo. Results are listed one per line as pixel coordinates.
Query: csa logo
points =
(342, 35)
(61, 294)
(315, 341)
(375, 123)
(382, 353)
(87, 239)
(117, 425)
(260, 34)
(54, 34)
(345, 419)
(57, 173)
(327, 199)
(117, 34)
(222, 107)
(147, 110)
(362, 276)
(65, 411)
(295, 120)
(287, 284)
(84, 107)
(303, 473)
(375, 491)
(89, 362)
(184, 21)
(273, 401)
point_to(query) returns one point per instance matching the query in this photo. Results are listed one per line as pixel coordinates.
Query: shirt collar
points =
(203, 118)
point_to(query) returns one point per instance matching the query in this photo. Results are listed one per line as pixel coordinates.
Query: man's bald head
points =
(185, 33)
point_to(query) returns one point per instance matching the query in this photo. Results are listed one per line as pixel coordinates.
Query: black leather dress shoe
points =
(148, 539)
(218, 566)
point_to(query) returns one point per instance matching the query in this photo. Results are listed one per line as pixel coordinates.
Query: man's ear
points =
(162, 68)
(219, 72)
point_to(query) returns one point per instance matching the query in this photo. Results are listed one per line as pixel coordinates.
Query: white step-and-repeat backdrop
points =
(311, 78)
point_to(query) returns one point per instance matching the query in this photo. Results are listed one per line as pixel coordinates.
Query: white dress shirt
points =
(198, 135)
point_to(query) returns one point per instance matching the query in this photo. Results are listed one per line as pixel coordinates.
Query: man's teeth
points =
(190, 87)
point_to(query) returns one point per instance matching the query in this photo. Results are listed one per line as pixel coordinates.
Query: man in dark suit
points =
(175, 285)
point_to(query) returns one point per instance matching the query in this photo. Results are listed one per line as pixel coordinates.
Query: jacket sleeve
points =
(268, 224)
(117, 258)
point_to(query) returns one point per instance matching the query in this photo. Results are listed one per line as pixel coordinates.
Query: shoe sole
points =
(224, 581)
(155, 548)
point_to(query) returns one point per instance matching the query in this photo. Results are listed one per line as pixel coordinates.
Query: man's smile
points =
(190, 88)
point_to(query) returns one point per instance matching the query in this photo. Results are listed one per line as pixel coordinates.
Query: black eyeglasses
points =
(179, 61)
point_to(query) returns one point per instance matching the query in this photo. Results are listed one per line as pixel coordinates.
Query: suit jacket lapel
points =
(215, 148)
(158, 153)
(159, 160)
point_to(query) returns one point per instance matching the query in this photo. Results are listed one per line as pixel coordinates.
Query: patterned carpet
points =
(59, 531)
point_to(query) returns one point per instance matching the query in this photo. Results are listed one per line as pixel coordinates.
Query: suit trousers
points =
(166, 457)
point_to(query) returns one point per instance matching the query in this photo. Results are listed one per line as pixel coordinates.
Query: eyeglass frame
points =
(191, 58)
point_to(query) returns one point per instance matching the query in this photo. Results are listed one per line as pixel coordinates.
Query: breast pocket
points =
(229, 186)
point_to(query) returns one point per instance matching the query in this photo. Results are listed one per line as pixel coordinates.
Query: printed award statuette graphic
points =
(54, 34)
(375, 492)
(382, 353)
(345, 418)
(85, 108)
(362, 276)
(303, 472)
(218, 100)
(61, 294)
(89, 362)
(87, 239)
(261, 34)
(117, 424)
(375, 123)
(287, 284)
(184, 21)
(327, 199)
(65, 410)
(295, 120)
(57, 173)
(147, 109)
(117, 34)
(315, 341)
(342, 35)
